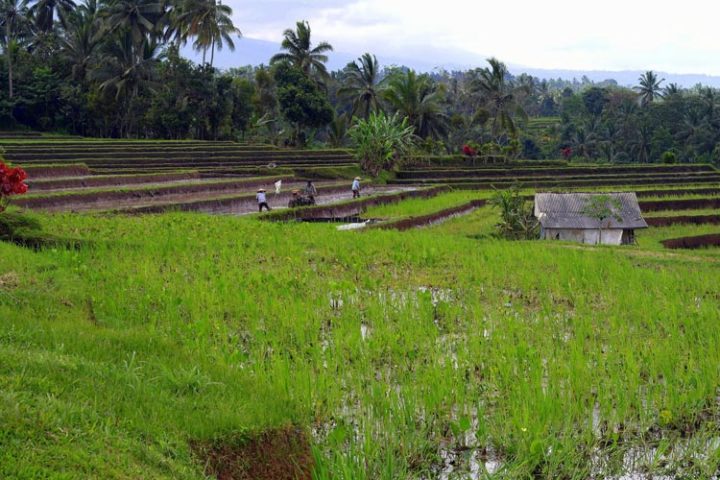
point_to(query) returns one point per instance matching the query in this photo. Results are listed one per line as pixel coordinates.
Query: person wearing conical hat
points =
(356, 187)
(262, 200)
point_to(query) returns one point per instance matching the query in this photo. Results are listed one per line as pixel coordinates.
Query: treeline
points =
(113, 68)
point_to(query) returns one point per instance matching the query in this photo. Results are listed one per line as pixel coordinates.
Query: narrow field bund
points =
(618, 181)
(90, 181)
(683, 220)
(677, 192)
(55, 171)
(432, 218)
(565, 178)
(687, 204)
(149, 155)
(565, 171)
(691, 243)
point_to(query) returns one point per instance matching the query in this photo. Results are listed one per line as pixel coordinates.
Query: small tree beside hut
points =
(591, 218)
(601, 208)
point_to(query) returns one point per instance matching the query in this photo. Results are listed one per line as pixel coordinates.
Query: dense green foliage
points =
(517, 221)
(112, 68)
(381, 141)
(301, 100)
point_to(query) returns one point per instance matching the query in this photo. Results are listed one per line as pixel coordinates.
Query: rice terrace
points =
(296, 271)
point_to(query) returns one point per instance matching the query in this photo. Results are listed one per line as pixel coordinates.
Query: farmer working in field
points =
(356, 187)
(262, 200)
(310, 190)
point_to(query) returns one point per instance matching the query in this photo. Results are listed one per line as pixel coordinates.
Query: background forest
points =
(115, 69)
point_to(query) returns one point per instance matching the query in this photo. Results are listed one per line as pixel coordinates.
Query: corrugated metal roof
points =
(567, 210)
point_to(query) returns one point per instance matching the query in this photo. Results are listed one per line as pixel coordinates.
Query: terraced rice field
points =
(191, 346)
(563, 177)
(69, 174)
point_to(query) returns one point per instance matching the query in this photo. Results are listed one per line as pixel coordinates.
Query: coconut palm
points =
(416, 98)
(641, 143)
(338, 130)
(215, 29)
(137, 17)
(499, 97)
(45, 11)
(649, 89)
(362, 85)
(672, 89)
(300, 52)
(79, 40)
(127, 67)
(14, 27)
(583, 141)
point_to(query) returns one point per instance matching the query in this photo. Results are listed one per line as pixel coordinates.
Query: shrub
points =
(668, 157)
(380, 141)
(12, 182)
(469, 150)
(517, 221)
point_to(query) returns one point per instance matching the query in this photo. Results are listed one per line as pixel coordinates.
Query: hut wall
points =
(589, 236)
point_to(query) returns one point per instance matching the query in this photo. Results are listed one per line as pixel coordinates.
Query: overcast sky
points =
(682, 37)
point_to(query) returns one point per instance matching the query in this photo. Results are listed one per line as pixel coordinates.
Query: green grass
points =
(674, 213)
(183, 326)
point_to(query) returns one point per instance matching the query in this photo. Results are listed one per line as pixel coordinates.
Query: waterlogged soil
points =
(100, 203)
(283, 454)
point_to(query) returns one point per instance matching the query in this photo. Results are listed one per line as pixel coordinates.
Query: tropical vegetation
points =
(115, 68)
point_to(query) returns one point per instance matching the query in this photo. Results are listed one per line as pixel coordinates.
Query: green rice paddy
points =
(415, 355)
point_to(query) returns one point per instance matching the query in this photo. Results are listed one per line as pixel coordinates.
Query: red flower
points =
(12, 181)
(566, 152)
(469, 151)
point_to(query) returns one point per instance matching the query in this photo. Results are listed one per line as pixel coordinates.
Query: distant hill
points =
(251, 51)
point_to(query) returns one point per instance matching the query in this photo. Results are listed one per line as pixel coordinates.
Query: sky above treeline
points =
(680, 37)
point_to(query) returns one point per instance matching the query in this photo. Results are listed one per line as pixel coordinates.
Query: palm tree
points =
(499, 97)
(649, 88)
(641, 143)
(14, 27)
(126, 68)
(301, 54)
(138, 17)
(672, 89)
(79, 40)
(362, 85)
(417, 99)
(212, 26)
(45, 11)
(583, 142)
(338, 130)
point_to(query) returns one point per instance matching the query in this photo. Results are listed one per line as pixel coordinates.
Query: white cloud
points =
(608, 35)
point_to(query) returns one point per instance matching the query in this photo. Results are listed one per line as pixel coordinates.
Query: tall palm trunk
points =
(8, 52)
(212, 53)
